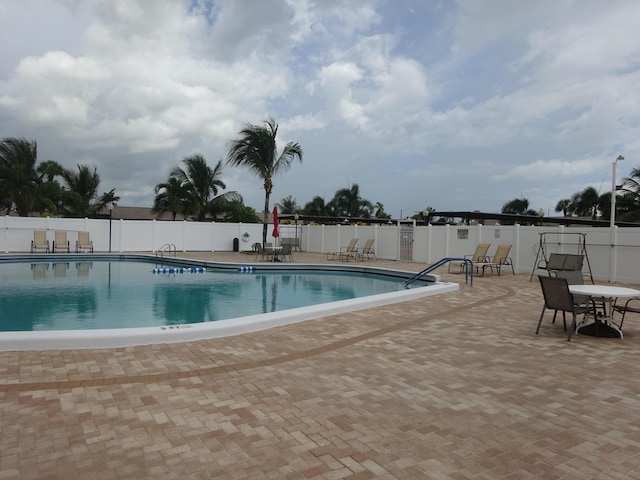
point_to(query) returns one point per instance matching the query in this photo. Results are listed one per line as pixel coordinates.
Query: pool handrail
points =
(468, 270)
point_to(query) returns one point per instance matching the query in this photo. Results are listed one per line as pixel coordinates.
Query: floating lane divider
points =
(246, 269)
(174, 270)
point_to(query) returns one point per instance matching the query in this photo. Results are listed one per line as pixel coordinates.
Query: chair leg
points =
(540, 321)
(573, 327)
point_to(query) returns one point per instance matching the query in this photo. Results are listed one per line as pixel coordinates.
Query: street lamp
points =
(613, 191)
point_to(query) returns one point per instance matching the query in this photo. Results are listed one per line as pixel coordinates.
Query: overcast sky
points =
(455, 105)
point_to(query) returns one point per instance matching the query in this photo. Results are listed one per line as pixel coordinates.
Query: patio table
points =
(602, 326)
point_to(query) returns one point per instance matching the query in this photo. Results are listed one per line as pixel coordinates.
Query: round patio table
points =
(602, 326)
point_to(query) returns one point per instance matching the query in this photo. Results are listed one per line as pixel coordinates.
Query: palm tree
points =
(199, 185)
(316, 207)
(256, 148)
(288, 205)
(518, 206)
(380, 213)
(18, 177)
(81, 190)
(564, 206)
(631, 184)
(586, 202)
(51, 193)
(170, 197)
(347, 202)
(629, 202)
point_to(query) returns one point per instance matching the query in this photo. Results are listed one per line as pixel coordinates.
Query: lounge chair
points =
(479, 256)
(499, 260)
(350, 251)
(39, 241)
(84, 243)
(60, 242)
(367, 251)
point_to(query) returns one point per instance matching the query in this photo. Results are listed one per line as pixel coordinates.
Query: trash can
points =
(236, 245)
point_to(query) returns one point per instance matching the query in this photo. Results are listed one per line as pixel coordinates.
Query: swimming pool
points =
(83, 301)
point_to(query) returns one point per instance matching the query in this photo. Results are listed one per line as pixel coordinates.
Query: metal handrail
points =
(468, 270)
(167, 247)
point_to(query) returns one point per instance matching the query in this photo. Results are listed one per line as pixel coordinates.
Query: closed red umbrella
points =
(275, 232)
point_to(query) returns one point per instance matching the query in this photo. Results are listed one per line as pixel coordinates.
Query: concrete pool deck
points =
(455, 386)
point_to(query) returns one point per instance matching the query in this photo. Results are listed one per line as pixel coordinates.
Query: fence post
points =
(613, 255)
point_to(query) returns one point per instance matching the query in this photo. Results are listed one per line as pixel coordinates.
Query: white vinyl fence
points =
(613, 254)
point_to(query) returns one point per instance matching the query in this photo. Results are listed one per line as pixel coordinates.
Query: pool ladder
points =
(168, 248)
(468, 270)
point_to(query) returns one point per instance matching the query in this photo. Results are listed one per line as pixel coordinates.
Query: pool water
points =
(113, 294)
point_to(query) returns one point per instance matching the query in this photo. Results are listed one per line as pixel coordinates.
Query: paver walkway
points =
(455, 386)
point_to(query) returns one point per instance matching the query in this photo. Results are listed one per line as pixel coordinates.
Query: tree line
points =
(48, 188)
(193, 190)
(589, 203)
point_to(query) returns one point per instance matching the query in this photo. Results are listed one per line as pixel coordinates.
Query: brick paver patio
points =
(455, 386)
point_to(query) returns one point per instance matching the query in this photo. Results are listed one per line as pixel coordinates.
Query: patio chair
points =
(632, 305)
(286, 251)
(479, 256)
(558, 298)
(367, 250)
(60, 241)
(574, 277)
(39, 241)
(345, 252)
(84, 243)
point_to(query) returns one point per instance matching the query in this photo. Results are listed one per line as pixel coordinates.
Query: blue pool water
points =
(83, 295)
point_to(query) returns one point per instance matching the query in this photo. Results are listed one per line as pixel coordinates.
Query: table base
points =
(599, 329)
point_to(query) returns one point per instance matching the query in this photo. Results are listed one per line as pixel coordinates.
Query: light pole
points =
(110, 207)
(296, 217)
(613, 191)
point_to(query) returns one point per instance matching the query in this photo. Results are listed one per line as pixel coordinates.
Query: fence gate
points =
(406, 242)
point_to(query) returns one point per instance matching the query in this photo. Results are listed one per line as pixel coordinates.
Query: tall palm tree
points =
(18, 176)
(199, 186)
(256, 149)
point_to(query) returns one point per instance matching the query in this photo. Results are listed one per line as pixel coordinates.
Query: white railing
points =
(613, 255)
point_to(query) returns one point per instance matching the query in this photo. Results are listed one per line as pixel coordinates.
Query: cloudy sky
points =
(450, 104)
